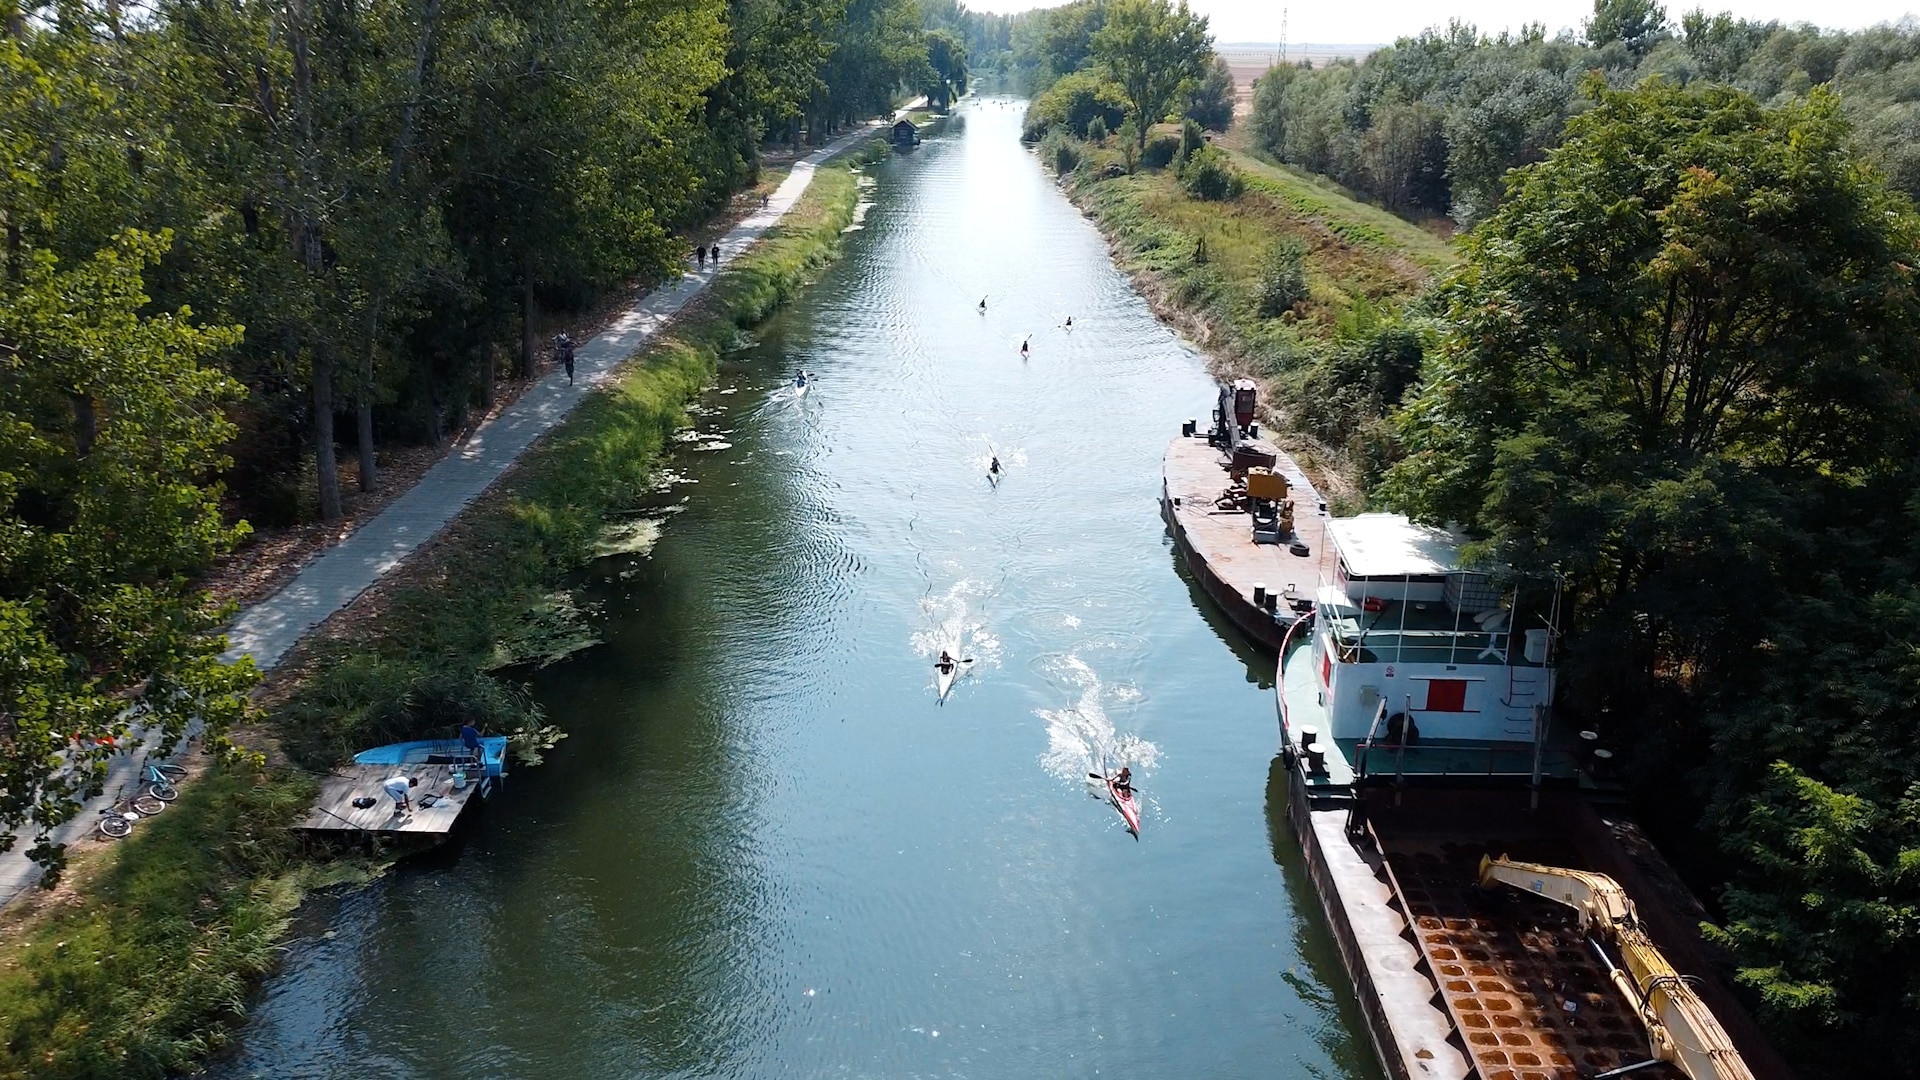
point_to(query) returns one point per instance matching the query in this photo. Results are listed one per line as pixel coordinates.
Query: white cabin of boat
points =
(1405, 639)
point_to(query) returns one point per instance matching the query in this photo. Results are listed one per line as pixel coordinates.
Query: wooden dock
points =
(333, 811)
(1218, 544)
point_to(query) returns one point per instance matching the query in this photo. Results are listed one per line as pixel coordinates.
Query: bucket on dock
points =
(1187, 429)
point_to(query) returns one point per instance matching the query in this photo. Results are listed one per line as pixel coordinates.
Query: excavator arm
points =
(1680, 1027)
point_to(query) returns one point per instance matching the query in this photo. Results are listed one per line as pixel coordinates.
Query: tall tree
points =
(1153, 50)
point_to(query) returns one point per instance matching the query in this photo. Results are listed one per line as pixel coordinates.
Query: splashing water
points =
(1080, 737)
(954, 623)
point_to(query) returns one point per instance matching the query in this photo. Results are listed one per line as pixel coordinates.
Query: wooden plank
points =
(333, 809)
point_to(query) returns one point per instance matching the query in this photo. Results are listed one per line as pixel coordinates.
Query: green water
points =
(765, 851)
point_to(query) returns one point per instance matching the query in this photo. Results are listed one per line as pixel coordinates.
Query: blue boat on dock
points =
(487, 760)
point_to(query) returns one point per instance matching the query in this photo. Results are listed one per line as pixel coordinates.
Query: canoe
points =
(943, 680)
(493, 754)
(1124, 802)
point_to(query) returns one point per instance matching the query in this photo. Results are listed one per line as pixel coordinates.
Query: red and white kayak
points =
(1124, 802)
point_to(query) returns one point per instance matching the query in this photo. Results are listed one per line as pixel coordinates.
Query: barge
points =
(1455, 835)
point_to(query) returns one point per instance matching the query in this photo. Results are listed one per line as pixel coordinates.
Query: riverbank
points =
(1287, 282)
(142, 962)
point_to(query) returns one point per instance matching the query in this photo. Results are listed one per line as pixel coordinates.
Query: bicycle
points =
(161, 780)
(116, 822)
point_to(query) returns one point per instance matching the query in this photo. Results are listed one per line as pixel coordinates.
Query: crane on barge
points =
(1680, 1027)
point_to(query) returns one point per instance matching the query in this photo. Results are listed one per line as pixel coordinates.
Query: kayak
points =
(943, 680)
(1124, 802)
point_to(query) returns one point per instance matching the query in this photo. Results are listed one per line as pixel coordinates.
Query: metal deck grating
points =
(1506, 964)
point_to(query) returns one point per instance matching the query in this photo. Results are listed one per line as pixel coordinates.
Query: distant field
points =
(1250, 60)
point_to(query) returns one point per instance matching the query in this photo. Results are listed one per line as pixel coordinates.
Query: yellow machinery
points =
(1680, 1028)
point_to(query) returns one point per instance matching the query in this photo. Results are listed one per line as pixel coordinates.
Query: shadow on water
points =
(1323, 985)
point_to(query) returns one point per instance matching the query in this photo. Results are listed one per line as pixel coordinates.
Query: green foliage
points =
(1209, 101)
(1152, 49)
(1097, 131)
(1637, 24)
(1678, 371)
(1060, 154)
(1432, 124)
(1192, 139)
(1160, 150)
(1073, 103)
(142, 974)
(1209, 174)
(1283, 279)
(110, 431)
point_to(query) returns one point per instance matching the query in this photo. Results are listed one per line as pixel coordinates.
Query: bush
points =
(1208, 174)
(1192, 139)
(1060, 153)
(1283, 279)
(1097, 130)
(1160, 151)
(1073, 103)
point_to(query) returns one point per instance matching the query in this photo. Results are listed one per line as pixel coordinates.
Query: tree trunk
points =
(369, 468)
(85, 423)
(486, 376)
(326, 467)
(527, 362)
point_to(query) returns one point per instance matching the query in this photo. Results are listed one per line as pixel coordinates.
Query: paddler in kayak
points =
(993, 467)
(947, 663)
(1123, 784)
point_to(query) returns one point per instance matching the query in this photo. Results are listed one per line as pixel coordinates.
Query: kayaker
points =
(800, 379)
(994, 466)
(947, 662)
(983, 305)
(1069, 322)
(1123, 783)
(1023, 349)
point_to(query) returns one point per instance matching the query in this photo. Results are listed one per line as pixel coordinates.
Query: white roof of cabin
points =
(1389, 545)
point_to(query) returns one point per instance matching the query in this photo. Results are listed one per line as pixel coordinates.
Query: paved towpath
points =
(268, 629)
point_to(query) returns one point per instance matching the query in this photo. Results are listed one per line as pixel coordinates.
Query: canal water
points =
(765, 850)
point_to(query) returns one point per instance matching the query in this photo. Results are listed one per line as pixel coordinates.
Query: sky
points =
(1380, 21)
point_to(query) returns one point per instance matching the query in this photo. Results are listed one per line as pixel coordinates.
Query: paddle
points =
(1102, 776)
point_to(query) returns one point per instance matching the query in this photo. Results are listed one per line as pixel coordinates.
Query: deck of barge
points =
(1218, 544)
(1459, 981)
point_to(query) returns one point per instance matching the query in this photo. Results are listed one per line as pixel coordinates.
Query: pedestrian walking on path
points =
(563, 346)
(716, 256)
(701, 253)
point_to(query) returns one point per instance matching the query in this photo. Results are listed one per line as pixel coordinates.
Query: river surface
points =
(765, 850)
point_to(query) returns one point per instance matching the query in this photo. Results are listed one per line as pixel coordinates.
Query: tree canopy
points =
(1488, 104)
(1678, 369)
(231, 227)
(1154, 51)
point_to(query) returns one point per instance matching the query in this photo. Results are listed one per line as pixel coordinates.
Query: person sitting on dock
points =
(947, 662)
(1124, 782)
(399, 788)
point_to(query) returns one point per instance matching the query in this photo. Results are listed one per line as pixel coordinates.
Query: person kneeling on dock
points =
(399, 788)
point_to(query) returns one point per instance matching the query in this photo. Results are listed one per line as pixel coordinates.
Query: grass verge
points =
(141, 964)
(1333, 346)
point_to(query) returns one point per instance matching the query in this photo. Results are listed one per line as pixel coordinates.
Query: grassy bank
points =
(1286, 281)
(141, 964)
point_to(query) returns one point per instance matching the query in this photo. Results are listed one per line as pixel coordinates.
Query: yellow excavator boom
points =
(1680, 1027)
